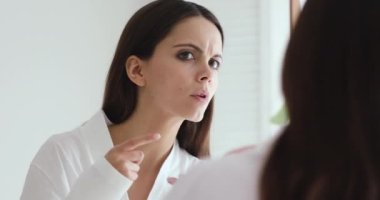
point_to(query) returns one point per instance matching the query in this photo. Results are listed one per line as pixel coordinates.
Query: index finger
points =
(133, 143)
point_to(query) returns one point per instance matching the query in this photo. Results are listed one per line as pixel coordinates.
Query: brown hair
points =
(147, 27)
(331, 83)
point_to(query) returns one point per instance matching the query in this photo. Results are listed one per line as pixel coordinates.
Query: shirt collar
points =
(98, 138)
(97, 135)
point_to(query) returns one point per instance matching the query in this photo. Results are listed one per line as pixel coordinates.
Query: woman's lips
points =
(201, 96)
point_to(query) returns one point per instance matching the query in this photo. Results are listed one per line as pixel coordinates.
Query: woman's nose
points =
(205, 73)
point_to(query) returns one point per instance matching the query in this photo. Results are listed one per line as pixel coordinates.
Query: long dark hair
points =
(147, 27)
(331, 82)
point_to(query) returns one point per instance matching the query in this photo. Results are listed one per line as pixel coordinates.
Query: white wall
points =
(54, 56)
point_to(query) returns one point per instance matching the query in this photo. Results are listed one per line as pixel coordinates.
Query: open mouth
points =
(200, 96)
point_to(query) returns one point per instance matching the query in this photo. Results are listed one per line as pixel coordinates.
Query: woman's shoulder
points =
(245, 158)
(75, 145)
(228, 178)
(59, 146)
(237, 175)
(240, 168)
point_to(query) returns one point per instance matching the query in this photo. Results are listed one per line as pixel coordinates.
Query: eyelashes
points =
(185, 55)
(214, 64)
(189, 56)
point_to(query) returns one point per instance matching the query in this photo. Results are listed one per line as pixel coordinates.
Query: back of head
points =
(331, 81)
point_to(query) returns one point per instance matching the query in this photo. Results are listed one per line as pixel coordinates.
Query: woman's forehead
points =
(195, 30)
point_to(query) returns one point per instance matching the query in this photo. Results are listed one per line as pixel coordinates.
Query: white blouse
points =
(72, 166)
(232, 177)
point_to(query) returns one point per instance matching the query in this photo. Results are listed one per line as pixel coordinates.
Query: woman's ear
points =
(133, 67)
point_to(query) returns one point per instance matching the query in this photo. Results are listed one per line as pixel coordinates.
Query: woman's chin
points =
(196, 117)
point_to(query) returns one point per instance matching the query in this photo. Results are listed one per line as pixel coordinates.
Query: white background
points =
(54, 56)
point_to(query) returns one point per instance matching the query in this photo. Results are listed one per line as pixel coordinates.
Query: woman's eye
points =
(186, 55)
(214, 64)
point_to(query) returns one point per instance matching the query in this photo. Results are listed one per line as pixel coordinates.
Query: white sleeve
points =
(52, 177)
(99, 182)
(38, 186)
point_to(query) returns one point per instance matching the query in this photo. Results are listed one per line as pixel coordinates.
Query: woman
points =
(330, 149)
(156, 114)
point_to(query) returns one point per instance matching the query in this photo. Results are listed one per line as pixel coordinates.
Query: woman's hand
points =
(126, 159)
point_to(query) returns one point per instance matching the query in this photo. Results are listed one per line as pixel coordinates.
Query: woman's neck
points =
(141, 123)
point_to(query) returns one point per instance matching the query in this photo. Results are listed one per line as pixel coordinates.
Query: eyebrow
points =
(196, 48)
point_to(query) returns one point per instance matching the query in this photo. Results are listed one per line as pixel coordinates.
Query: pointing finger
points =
(134, 156)
(139, 141)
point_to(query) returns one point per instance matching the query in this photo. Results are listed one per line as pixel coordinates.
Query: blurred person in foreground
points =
(330, 148)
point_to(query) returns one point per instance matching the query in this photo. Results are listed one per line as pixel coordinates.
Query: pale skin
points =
(174, 85)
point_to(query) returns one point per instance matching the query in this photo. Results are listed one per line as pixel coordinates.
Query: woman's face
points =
(182, 74)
